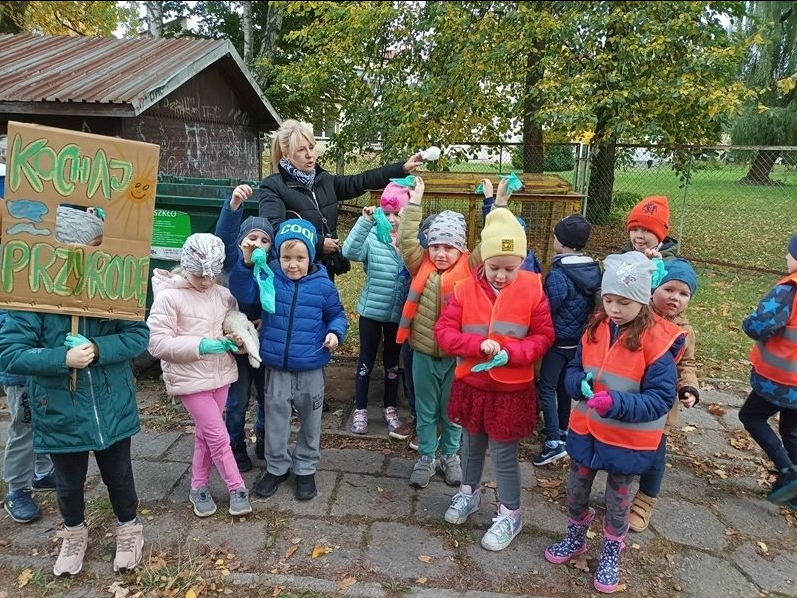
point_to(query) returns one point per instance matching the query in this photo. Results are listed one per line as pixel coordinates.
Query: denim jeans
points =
(551, 394)
(650, 481)
(238, 401)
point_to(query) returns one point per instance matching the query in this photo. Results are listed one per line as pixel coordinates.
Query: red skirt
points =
(504, 416)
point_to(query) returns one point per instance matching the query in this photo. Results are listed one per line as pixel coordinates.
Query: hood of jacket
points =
(584, 271)
(165, 279)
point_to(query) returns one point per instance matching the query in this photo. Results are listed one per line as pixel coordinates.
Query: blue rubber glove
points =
(73, 341)
(500, 358)
(213, 346)
(586, 386)
(265, 280)
(383, 226)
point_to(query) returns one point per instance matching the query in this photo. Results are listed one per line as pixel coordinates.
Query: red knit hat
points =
(653, 214)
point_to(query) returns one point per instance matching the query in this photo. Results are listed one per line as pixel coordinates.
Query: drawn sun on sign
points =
(137, 198)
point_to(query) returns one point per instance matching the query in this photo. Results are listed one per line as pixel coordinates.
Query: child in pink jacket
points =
(186, 334)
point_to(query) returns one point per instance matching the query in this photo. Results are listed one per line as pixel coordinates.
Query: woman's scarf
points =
(305, 178)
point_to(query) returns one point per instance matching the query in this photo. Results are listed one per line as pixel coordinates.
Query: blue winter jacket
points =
(386, 278)
(7, 379)
(571, 286)
(102, 410)
(654, 400)
(292, 338)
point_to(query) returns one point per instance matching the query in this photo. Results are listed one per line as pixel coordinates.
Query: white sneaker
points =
(506, 525)
(129, 543)
(465, 502)
(73, 549)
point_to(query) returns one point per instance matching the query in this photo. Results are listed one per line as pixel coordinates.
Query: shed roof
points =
(106, 76)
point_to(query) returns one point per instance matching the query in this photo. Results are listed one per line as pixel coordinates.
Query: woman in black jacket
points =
(299, 188)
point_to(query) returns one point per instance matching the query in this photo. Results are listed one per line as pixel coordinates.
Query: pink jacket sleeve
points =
(164, 342)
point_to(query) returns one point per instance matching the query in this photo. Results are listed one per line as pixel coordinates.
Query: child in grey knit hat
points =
(74, 225)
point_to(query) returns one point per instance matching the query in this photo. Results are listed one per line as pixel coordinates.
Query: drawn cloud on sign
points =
(28, 228)
(27, 209)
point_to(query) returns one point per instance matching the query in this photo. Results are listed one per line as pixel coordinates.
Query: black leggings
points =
(371, 333)
(116, 470)
(755, 414)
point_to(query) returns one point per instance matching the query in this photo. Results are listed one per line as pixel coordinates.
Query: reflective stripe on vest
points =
(614, 367)
(776, 358)
(515, 304)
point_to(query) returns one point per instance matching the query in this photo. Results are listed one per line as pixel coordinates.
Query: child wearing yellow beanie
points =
(498, 324)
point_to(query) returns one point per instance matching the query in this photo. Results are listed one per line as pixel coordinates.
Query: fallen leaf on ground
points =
(762, 546)
(425, 558)
(347, 583)
(715, 409)
(319, 550)
(421, 580)
(543, 483)
(118, 590)
(24, 577)
(291, 550)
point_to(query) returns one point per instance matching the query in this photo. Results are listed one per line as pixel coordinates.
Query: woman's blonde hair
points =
(287, 138)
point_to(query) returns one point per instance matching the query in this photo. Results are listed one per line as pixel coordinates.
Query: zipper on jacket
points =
(93, 395)
(290, 325)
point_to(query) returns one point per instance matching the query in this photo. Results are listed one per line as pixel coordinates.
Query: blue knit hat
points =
(680, 269)
(255, 223)
(296, 228)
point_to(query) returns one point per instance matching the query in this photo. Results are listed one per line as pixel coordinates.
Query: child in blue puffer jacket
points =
(303, 320)
(380, 302)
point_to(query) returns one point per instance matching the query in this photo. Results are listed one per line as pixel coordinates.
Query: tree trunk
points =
(155, 19)
(760, 168)
(601, 181)
(12, 16)
(247, 24)
(532, 131)
(271, 35)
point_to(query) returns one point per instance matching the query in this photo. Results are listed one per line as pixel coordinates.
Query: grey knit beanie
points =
(628, 275)
(448, 228)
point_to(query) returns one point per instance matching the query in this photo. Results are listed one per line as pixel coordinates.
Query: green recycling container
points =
(184, 206)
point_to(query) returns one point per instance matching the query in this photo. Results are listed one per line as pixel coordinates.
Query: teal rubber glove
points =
(383, 226)
(265, 280)
(586, 386)
(73, 341)
(479, 188)
(500, 358)
(214, 346)
(513, 183)
(407, 181)
(659, 274)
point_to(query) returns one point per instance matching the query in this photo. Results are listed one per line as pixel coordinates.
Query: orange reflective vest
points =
(448, 278)
(617, 368)
(776, 358)
(507, 318)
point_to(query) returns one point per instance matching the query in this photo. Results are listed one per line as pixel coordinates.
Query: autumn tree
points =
(100, 19)
(770, 116)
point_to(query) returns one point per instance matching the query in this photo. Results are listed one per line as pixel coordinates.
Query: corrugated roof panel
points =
(91, 69)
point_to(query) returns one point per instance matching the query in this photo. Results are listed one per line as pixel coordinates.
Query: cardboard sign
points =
(48, 167)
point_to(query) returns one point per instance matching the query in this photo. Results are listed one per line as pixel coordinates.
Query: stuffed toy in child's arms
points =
(237, 322)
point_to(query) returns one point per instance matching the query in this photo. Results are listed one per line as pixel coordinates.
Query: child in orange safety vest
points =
(497, 324)
(623, 377)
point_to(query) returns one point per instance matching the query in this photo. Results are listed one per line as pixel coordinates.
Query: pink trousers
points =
(211, 440)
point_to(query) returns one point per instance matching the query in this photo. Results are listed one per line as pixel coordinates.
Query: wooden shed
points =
(194, 98)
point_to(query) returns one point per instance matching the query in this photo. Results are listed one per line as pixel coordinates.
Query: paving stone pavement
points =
(712, 533)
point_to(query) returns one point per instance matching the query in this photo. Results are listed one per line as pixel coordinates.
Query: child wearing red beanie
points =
(648, 226)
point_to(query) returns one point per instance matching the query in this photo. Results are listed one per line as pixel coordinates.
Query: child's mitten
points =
(601, 402)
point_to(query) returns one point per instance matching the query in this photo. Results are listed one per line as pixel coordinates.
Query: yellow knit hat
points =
(502, 235)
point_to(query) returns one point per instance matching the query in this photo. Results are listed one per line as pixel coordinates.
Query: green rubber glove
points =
(407, 181)
(513, 183)
(383, 226)
(586, 386)
(265, 281)
(73, 341)
(500, 358)
(214, 346)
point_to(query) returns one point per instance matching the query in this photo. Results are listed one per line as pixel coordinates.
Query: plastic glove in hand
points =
(383, 226)
(500, 358)
(586, 386)
(75, 340)
(513, 183)
(407, 181)
(601, 402)
(659, 274)
(265, 280)
(213, 345)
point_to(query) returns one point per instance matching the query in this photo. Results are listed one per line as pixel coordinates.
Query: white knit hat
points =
(203, 255)
(73, 225)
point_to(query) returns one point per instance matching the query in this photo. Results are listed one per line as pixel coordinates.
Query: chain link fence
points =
(732, 206)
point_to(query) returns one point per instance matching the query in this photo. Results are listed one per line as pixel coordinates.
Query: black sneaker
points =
(268, 484)
(44, 484)
(305, 487)
(242, 459)
(549, 455)
(785, 487)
